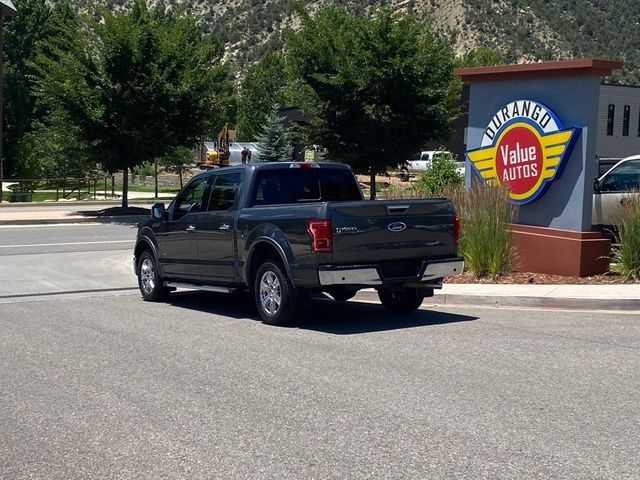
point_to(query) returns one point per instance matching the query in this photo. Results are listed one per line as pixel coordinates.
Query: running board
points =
(208, 288)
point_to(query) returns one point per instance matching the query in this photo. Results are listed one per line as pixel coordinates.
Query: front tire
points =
(404, 301)
(277, 301)
(149, 280)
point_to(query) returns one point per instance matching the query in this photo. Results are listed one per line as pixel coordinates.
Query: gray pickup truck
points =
(286, 230)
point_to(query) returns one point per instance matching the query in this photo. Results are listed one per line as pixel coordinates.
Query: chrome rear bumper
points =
(369, 275)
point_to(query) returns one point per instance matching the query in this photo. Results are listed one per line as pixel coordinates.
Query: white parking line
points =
(66, 244)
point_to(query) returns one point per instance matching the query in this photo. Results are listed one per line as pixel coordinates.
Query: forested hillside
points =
(519, 30)
(560, 29)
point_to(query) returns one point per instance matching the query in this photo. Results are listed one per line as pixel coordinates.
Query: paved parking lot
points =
(96, 384)
(112, 387)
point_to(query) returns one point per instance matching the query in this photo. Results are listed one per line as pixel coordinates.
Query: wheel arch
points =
(145, 243)
(261, 250)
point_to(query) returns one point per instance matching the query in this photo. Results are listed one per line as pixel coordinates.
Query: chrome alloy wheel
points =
(270, 293)
(148, 276)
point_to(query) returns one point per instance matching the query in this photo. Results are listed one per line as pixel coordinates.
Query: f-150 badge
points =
(525, 147)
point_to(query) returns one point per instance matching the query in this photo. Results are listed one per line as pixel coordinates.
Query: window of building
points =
(610, 114)
(625, 120)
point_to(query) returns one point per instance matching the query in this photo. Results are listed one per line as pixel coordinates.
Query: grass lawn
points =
(148, 188)
(49, 196)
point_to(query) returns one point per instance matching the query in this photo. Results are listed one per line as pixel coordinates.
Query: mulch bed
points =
(541, 279)
(116, 211)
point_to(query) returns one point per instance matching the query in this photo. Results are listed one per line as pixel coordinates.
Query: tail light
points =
(321, 236)
(456, 229)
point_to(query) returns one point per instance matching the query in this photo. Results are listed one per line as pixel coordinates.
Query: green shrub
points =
(442, 175)
(19, 192)
(485, 241)
(627, 256)
(147, 169)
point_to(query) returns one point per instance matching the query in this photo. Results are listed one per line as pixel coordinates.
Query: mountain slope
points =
(519, 30)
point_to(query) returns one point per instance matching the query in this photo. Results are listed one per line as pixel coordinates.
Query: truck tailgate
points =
(391, 230)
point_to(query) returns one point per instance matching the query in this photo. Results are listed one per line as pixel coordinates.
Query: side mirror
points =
(596, 185)
(158, 211)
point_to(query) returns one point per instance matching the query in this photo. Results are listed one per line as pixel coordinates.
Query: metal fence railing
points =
(55, 189)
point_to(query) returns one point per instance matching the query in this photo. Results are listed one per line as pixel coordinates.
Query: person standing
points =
(244, 154)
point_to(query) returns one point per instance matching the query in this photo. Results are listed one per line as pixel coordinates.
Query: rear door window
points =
(299, 185)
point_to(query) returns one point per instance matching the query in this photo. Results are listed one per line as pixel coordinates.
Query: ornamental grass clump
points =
(627, 256)
(485, 240)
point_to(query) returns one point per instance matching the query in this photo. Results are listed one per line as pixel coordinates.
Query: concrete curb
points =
(106, 203)
(131, 219)
(519, 301)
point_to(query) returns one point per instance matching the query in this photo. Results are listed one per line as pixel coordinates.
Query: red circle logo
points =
(519, 160)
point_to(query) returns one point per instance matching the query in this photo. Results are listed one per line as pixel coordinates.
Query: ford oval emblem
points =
(396, 227)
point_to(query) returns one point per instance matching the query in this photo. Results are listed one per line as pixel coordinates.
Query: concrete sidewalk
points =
(69, 212)
(621, 297)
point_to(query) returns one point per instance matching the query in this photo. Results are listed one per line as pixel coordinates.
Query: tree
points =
(54, 148)
(273, 141)
(32, 27)
(479, 57)
(136, 84)
(381, 87)
(178, 161)
(260, 90)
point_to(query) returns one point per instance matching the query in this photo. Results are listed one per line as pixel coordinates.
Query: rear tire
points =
(277, 301)
(404, 175)
(404, 301)
(149, 280)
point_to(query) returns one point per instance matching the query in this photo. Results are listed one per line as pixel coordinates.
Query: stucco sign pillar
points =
(533, 128)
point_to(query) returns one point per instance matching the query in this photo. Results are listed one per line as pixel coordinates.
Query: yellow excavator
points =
(216, 154)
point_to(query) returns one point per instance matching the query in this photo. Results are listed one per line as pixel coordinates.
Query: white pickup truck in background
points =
(422, 163)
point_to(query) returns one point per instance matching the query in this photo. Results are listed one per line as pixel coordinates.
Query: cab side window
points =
(223, 192)
(623, 179)
(190, 200)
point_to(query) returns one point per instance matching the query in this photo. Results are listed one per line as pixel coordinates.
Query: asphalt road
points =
(106, 386)
(44, 260)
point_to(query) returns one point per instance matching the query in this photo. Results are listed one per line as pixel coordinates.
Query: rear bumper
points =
(369, 275)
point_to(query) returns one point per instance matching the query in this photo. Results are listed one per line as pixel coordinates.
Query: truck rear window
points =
(281, 186)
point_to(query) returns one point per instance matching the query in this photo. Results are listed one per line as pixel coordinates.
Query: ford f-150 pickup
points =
(286, 230)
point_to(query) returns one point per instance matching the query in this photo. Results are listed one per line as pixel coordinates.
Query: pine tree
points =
(273, 141)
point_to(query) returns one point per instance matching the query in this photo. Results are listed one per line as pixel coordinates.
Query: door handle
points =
(224, 227)
(397, 208)
(191, 228)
